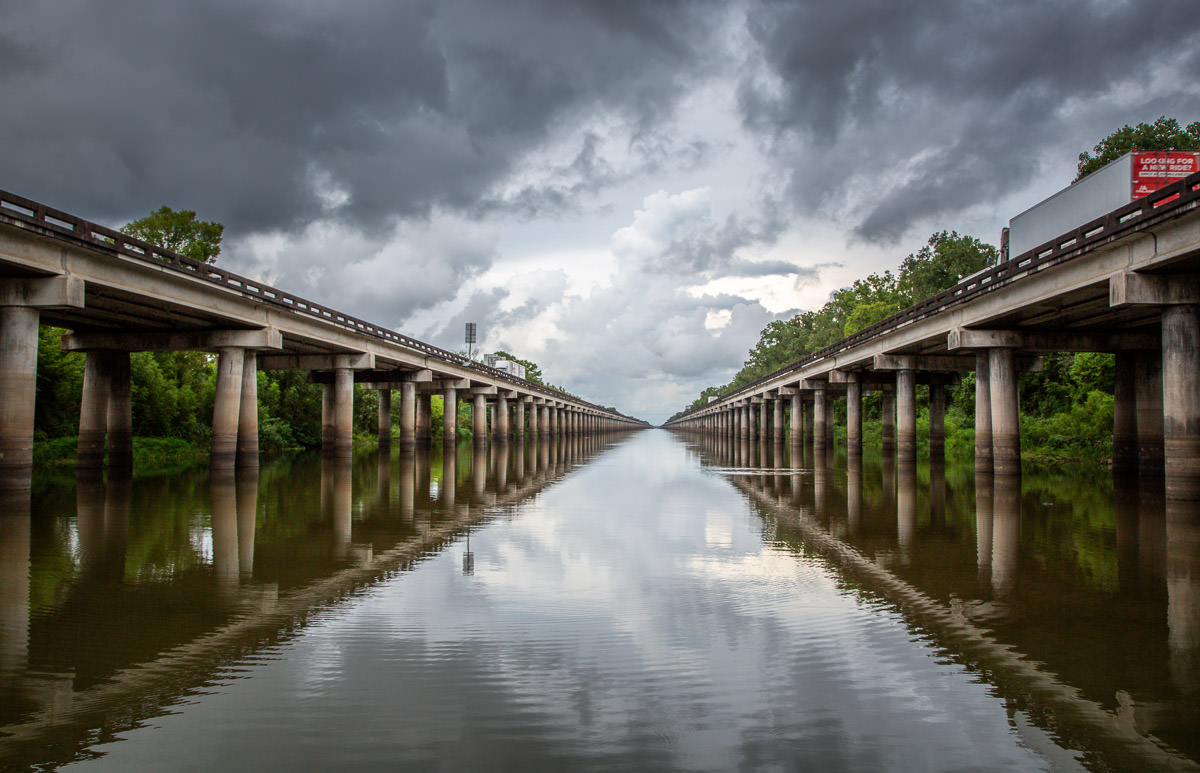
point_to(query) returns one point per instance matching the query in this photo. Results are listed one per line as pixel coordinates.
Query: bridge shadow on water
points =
(121, 598)
(1074, 595)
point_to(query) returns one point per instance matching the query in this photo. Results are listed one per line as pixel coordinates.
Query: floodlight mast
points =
(471, 339)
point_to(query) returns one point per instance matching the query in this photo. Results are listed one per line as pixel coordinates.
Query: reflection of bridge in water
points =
(1055, 649)
(274, 553)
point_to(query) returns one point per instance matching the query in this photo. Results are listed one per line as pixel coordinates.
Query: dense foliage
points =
(1163, 134)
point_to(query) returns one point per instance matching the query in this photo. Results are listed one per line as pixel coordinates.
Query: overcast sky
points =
(623, 192)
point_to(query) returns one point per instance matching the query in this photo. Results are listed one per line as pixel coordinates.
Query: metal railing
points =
(92, 235)
(1138, 215)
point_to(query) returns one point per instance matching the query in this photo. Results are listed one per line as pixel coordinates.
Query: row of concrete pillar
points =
(509, 417)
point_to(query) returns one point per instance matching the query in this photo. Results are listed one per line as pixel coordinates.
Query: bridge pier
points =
(383, 425)
(227, 409)
(853, 416)
(1181, 401)
(423, 420)
(1148, 397)
(449, 416)
(18, 378)
(906, 418)
(93, 410)
(1125, 439)
(983, 414)
(408, 414)
(1006, 412)
(937, 424)
(887, 421)
(479, 420)
(519, 417)
(120, 413)
(247, 433)
(500, 425)
(820, 420)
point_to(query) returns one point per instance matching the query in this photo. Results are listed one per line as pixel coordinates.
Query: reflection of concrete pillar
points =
(424, 418)
(247, 516)
(448, 490)
(853, 417)
(1125, 443)
(479, 420)
(984, 501)
(118, 501)
(342, 502)
(820, 482)
(764, 420)
(1126, 511)
(408, 413)
(1148, 393)
(223, 500)
(343, 413)
(18, 374)
(247, 442)
(15, 546)
(777, 425)
(501, 456)
(408, 482)
(906, 506)
(1006, 412)
(120, 413)
(1183, 593)
(450, 416)
(1006, 532)
(887, 422)
(820, 419)
(501, 424)
(937, 492)
(519, 466)
(906, 418)
(983, 414)
(853, 493)
(1181, 401)
(519, 418)
(89, 519)
(383, 424)
(937, 423)
(479, 460)
(227, 409)
(93, 410)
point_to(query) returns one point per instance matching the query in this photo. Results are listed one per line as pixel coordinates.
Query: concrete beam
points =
(923, 362)
(845, 377)
(1051, 340)
(1129, 288)
(197, 340)
(787, 391)
(484, 390)
(54, 292)
(451, 383)
(316, 361)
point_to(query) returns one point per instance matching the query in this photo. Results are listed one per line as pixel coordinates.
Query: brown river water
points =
(649, 601)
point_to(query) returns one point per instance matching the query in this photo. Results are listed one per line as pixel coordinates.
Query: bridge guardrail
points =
(1134, 216)
(94, 235)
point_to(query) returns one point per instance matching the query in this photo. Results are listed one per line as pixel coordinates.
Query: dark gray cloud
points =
(927, 108)
(234, 108)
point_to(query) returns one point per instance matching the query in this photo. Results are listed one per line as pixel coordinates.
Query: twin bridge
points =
(1126, 283)
(119, 295)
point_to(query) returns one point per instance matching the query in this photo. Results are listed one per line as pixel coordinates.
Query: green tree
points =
(179, 231)
(941, 263)
(1163, 134)
(532, 371)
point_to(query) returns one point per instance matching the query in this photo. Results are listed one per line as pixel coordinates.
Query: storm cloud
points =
(624, 192)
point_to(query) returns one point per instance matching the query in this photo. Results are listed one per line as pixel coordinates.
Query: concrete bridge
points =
(1127, 283)
(118, 295)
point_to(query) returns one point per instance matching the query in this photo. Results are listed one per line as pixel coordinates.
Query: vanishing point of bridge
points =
(119, 295)
(1127, 283)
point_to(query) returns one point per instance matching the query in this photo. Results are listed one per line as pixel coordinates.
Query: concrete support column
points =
(408, 413)
(983, 413)
(247, 442)
(906, 417)
(449, 415)
(519, 418)
(752, 422)
(343, 413)
(854, 417)
(424, 418)
(797, 422)
(764, 420)
(1006, 412)
(534, 421)
(383, 423)
(777, 425)
(479, 420)
(1148, 389)
(820, 420)
(500, 426)
(18, 378)
(937, 424)
(327, 419)
(1125, 441)
(93, 410)
(544, 423)
(227, 409)
(120, 413)
(1181, 402)
(887, 430)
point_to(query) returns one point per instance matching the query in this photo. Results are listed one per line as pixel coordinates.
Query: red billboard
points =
(1154, 169)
